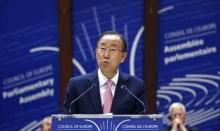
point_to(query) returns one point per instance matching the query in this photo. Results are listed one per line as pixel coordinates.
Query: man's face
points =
(178, 113)
(47, 124)
(109, 54)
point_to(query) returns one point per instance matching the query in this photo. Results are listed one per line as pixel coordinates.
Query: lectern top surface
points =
(104, 116)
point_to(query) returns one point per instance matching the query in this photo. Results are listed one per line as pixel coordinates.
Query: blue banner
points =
(107, 122)
(29, 66)
(189, 66)
(92, 18)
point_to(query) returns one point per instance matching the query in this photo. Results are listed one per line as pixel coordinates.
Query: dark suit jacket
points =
(189, 128)
(90, 102)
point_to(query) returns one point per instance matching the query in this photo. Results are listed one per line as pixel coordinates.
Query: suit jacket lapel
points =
(119, 92)
(95, 93)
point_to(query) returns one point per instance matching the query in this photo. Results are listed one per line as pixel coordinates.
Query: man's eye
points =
(112, 50)
(103, 48)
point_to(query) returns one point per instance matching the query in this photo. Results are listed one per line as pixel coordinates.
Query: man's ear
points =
(124, 57)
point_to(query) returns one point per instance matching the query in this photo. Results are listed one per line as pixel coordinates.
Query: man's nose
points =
(107, 54)
(177, 116)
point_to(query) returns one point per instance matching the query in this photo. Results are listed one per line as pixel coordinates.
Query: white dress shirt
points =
(103, 86)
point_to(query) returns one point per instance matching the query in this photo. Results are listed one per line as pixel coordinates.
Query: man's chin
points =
(105, 70)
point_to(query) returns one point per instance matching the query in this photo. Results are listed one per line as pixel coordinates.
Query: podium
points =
(102, 122)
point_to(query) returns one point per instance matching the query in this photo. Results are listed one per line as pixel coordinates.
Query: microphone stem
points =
(136, 98)
(80, 97)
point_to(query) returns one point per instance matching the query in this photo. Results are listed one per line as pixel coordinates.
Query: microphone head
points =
(93, 84)
(123, 86)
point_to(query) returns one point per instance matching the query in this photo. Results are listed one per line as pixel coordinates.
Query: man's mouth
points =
(105, 62)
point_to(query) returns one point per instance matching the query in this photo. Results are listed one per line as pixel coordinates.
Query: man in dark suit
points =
(177, 116)
(106, 90)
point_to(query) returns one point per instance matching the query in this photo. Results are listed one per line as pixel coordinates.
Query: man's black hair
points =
(124, 42)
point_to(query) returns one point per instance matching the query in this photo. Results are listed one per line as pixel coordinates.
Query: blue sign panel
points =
(92, 18)
(29, 63)
(107, 123)
(189, 65)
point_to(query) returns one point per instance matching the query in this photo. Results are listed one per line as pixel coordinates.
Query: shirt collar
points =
(103, 79)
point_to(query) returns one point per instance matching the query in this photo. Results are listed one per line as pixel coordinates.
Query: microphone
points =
(80, 97)
(124, 87)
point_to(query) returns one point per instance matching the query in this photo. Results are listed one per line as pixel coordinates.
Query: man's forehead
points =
(177, 109)
(111, 40)
(111, 37)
